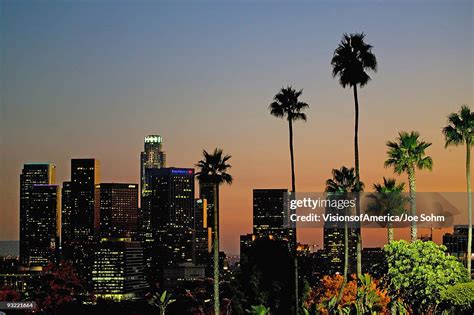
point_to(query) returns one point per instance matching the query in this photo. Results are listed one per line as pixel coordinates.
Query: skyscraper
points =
(202, 233)
(81, 215)
(206, 192)
(118, 210)
(172, 215)
(270, 214)
(39, 228)
(45, 224)
(152, 157)
(84, 214)
(333, 240)
(66, 212)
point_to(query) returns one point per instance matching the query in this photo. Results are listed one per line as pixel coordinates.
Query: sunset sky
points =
(93, 78)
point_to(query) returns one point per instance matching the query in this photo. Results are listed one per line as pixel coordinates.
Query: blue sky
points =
(92, 78)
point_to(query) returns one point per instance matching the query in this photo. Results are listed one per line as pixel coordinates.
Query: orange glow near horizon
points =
(91, 80)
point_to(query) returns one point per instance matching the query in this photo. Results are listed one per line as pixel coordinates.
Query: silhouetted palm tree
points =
(389, 200)
(286, 105)
(351, 61)
(342, 183)
(460, 130)
(406, 155)
(213, 171)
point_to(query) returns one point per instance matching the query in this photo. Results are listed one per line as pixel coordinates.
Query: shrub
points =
(458, 298)
(419, 271)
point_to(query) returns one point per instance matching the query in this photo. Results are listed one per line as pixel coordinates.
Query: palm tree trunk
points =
(295, 242)
(216, 252)
(346, 262)
(292, 157)
(412, 185)
(469, 206)
(393, 309)
(346, 251)
(356, 158)
(389, 232)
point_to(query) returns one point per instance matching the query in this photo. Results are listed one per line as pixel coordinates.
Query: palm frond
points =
(408, 152)
(460, 128)
(352, 59)
(213, 168)
(286, 105)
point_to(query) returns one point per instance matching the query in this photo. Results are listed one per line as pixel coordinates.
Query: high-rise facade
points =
(117, 272)
(118, 210)
(66, 212)
(81, 215)
(84, 214)
(39, 214)
(333, 240)
(208, 192)
(270, 214)
(270, 219)
(172, 215)
(151, 158)
(202, 233)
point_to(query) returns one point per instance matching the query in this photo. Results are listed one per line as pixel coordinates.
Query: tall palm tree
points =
(342, 183)
(286, 105)
(351, 61)
(388, 200)
(407, 154)
(460, 130)
(213, 170)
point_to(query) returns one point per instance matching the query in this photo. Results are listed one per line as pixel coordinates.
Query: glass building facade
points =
(172, 216)
(117, 272)
(202, 233)
(84, 214)
(118, 210)
(39, 214)
(270, 214)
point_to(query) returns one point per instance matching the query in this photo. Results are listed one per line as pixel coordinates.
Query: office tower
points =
(456, 242)
(117, 272)
(333, 240)
(66, 212)
(84, 215)
(202, 233)
(270, 214)
(152, 157)
(207, 191)
(334, 247)
(172, 215)
(38, 207)
(118, 210)
(44, 225)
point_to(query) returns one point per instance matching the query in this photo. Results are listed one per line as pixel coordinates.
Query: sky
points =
(93, 78)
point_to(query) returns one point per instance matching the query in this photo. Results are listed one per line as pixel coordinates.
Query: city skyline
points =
(208, 102)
